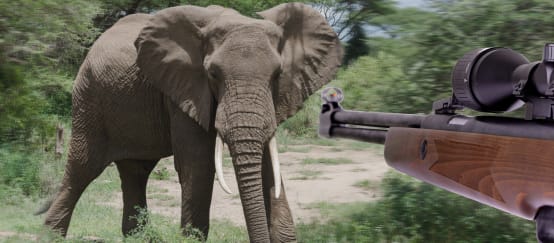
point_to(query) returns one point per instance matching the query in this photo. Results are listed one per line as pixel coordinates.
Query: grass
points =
(291, 143)
(307, 175)
(89, 218)
(368, 185)
(284, 138)
(295, 149)
(411, 211)
(319, 141)
(154, 189)
(327, 161)
(94, 220)
(336, 149)
(358, 170)
(160, 174)
(160, 197)
(361, 146)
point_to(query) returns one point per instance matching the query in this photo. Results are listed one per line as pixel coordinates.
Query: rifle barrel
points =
(360, 134)
(378, 119)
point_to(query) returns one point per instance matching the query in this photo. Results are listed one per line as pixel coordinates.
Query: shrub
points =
(161, 230)
(304, 123)
(19, 169)
(412, 211)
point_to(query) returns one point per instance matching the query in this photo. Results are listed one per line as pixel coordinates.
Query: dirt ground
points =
(307, 183)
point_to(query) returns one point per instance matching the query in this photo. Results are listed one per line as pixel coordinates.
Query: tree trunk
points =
(59, 140)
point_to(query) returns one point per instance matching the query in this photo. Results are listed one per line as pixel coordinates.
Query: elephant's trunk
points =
(246, 122)
(247, 160)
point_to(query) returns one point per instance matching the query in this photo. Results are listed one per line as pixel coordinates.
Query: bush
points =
(19, 170)
(378, 83)
(412, 211)
(304, 123)
(161, 230)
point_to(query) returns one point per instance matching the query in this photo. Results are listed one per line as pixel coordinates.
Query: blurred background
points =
(398, 58)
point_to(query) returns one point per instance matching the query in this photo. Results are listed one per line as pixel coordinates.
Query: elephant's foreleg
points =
(196, 194)
(85, 162)
(134, 176)
(193, 150)
(279, 217)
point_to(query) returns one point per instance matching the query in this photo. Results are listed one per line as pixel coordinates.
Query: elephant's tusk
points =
(275, 164)
(219, 164)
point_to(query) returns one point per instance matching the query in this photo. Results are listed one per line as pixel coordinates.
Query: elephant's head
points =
(242, 76)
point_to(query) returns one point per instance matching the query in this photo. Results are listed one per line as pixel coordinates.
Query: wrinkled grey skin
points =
(166, 84)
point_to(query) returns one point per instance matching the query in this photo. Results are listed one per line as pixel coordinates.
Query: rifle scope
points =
(500, 80)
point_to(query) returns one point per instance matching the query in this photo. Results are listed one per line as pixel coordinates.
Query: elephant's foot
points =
(58, 224)
(59, 214)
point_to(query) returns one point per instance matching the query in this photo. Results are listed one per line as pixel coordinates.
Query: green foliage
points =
(411, 68)
(113, 10)
(15, 95)
(40, 51)
(304, 123)
(19, 170)
(158, 232)
(245, 7)
(367, 185)
(343, 15)
(460, 26)
(378, 83)
(46, 32)
(411, 211)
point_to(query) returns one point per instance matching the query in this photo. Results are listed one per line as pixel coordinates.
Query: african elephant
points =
(182, 82)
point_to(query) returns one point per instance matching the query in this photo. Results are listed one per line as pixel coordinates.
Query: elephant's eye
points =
(213, 72)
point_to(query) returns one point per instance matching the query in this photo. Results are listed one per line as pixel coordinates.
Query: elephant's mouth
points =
(275, 164)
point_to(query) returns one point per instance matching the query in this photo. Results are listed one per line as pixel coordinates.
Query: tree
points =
(114, 10)
(342, 15)
(428, 43)
(39, 49)
(47, 33)
(356, 46)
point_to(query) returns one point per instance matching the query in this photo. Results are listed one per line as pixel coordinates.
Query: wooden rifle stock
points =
(513, 174)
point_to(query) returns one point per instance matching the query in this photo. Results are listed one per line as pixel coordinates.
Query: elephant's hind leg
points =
(134, 177)
(86, 161)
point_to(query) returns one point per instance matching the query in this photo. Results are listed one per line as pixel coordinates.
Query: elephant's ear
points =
(311, 54)
(170, 56)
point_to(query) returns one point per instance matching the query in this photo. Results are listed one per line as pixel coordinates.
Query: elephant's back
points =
(114, 50)
(109, 66)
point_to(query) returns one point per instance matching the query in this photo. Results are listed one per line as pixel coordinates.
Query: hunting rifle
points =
(503, 162)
